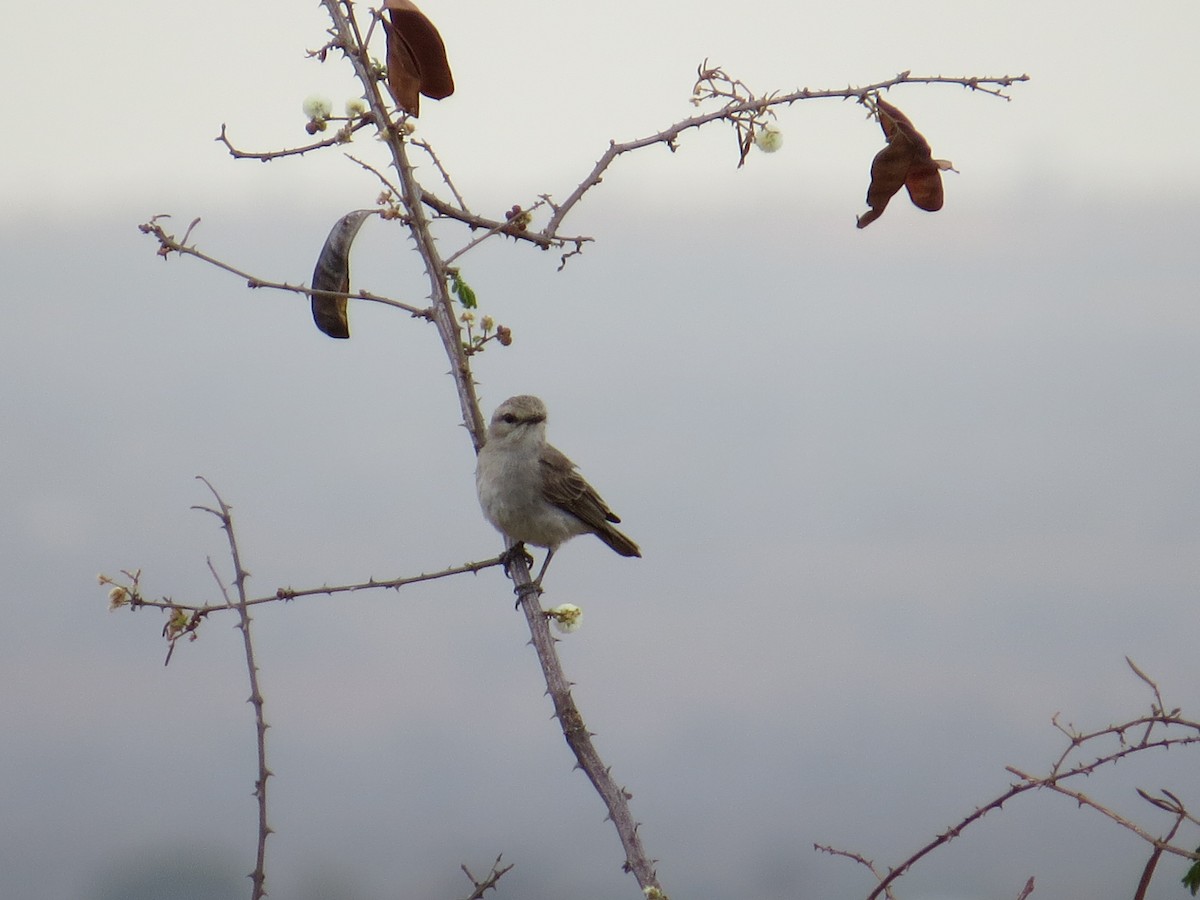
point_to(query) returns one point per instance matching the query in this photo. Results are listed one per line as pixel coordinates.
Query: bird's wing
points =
(563, 486)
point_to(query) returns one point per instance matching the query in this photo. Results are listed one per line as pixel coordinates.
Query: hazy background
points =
(903, 493)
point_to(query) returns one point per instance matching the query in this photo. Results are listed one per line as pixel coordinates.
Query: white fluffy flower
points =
(355, 106)
(317, 108)
(769, 139)
(567, 617)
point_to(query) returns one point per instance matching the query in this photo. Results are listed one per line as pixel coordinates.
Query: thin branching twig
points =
(168, 244)
(341, 136)
(259, 875)
(579, 739)
(488, 882)
(1157, 731)
(858, 858)
(741, 105)
(288, 593)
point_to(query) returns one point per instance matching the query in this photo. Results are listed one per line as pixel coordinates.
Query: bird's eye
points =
(509, 418)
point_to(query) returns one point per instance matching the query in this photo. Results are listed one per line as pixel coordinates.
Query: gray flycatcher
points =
(531, 492)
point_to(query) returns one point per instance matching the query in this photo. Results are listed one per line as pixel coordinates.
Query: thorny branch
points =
(258, 876)
(858, 858)
(167, 244)
(428, 148)
(348, 39)
(1158, 730)
(746, 113)
(134, 598)
(579, 739)
(341, 136)
(488, 882)
(740, 108)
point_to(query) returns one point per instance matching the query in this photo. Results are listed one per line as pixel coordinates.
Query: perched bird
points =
(531, 492)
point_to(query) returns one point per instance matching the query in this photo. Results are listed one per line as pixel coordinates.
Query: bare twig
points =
(288, 593)
(858, 858)
(258, 876)
(1158, 730)
(945, 837)
(349, 39)
(505, 228)
(1052, 783)
(1158, 705)
(579, 739)
(542, 239)
(392, 189)
(341, 136)
(471, 220)
(168, 244)
(734, 109)
(488, 882)
(424, 145)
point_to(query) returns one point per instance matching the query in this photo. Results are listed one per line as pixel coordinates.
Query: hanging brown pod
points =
(416, 57)
(332, 275)
(906, 161)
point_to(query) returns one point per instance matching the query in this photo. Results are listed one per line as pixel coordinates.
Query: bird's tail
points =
(618, 541)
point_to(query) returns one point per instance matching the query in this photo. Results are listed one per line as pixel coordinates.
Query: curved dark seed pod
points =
(333, 274)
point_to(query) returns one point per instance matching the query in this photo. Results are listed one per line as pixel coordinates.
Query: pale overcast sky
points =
(903, 493)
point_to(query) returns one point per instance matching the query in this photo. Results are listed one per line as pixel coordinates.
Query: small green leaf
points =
(1191, 880)
(466, 296)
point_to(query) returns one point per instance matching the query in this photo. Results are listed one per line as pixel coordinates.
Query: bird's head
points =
(518, 417)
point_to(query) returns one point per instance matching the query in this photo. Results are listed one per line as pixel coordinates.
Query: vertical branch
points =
(579, 739)
(444, 316)
(259, 875)
(350, 41)
(615, 798)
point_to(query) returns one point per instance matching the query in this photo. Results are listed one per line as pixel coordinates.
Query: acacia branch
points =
(579, 739)
(286, 593)
(858, 858)
(437, 163)
(341, 136)
(258, 876)
(1151, 728)
(1084, 800)
(488, 882)
(383, 179)
(741, 104)
(349, 40)
(543, 239)
(168, 244)
(507, 228)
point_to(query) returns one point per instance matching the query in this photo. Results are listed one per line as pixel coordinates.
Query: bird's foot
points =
(522, 590)
(516, 551)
